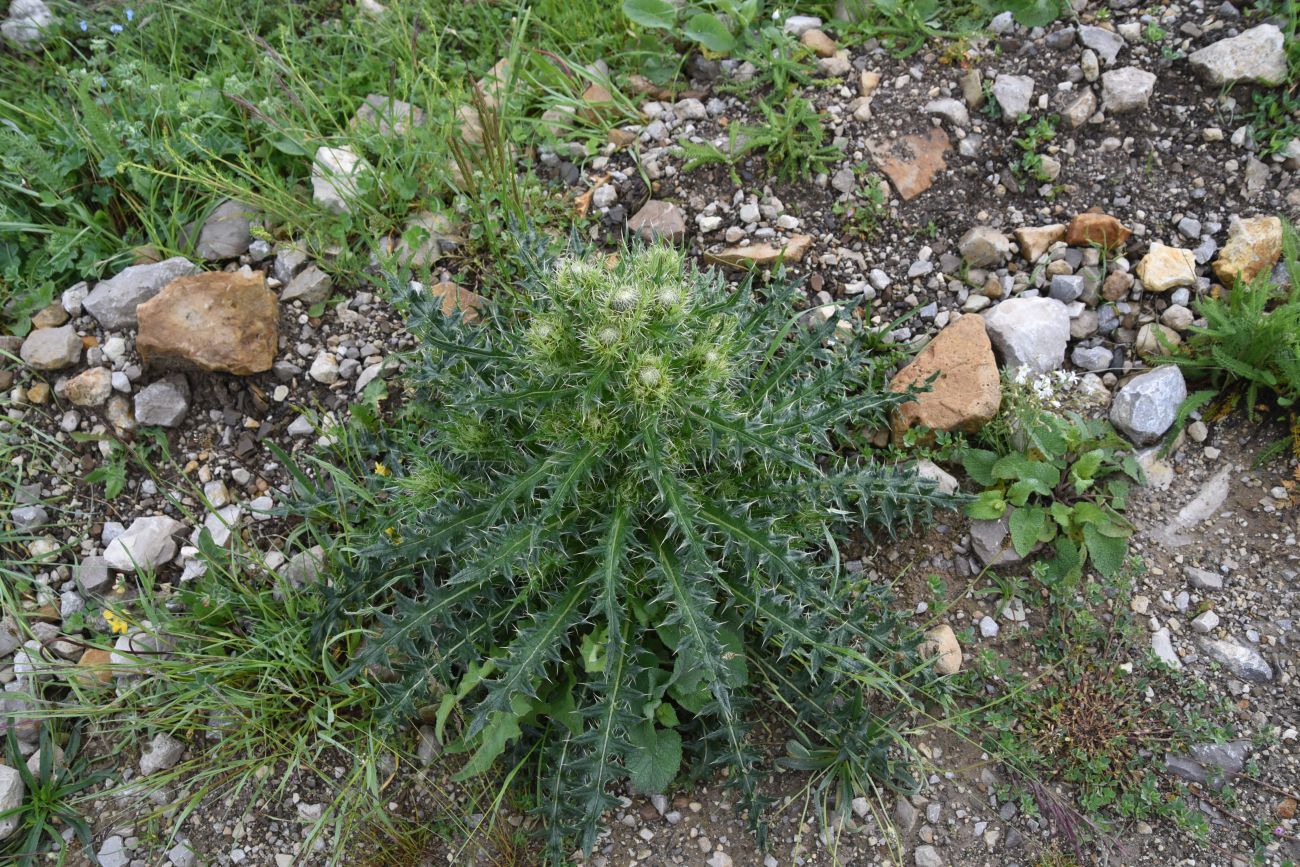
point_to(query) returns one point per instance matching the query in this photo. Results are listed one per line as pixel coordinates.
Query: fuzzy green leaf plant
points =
(605, 529)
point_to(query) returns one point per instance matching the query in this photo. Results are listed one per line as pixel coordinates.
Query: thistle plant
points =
(604, 528)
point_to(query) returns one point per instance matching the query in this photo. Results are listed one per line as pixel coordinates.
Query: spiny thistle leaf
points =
(603, 508)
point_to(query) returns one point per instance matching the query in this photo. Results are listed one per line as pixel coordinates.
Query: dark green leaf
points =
(654, 759)
(978, 464)
(709, 31)
(1106, 552)
(657, 14)
(1026, 525)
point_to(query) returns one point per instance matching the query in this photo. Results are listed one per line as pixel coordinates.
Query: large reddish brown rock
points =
(911, 162)
(221, 321)
(967, 392)
(1093, 228)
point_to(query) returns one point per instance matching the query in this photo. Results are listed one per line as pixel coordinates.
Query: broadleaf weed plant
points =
(598, 525)
(1059, 478)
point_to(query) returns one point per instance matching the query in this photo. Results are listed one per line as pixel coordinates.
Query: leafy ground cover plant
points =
(717, 25)
(793, 141)
(1249, 348)
(597, 536)
(1274, 113)
(1060, 479)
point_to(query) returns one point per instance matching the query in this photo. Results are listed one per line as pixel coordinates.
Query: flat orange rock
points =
(913, 161)
(1102, 230)
(228, 322)
(765, 253)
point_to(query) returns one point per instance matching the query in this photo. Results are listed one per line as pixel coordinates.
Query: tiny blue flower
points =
(115, 28)
(130, 14)
(84, 26)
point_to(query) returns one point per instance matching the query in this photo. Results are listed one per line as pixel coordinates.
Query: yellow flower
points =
(393, 536)
(381, 470)
(116, 622)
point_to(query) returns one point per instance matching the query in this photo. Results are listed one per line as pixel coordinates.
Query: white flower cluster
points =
(1048, 390)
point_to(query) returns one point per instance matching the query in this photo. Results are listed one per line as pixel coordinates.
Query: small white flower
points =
(649, 376)
(607, 336)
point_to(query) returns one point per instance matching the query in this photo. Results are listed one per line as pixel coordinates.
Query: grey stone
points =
(1092, 358)
(927, 856)
(1013, 93)
(1205, 250)
(182, 855)
(310, 286)
(952, 110)
(1067, 288)
(387, 116)
(301, 426)
(984, 247)
(1210, 764)
(844, 180)
(1205, 622)
(1256, 55)
(163, 403)
(1126, 89)
(10, 640)
(92, 575)
(51, 348)
(305, 566)
(1147, 404)
(944, 482)
(113, 301)
(1003, 22)
(1106, 43)
(28, 518)
(147, 543)
(162, 755)
(27, 25)
(73, 297)
(1030, 333)
(227, 231)
(221, 525)
(335, 173)
(991, 541)
(904, 815)
(288, 262)
(113, 853)
(1203, 579)
(12, 792)
(798, 25)
(1079, 109)
(1245, 662)
(1162, 645)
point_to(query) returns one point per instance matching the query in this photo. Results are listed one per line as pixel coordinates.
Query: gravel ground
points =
(1216, 534)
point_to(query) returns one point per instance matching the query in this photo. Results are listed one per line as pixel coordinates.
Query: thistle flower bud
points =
(650, 376)
(670, 295)
(624, 298)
